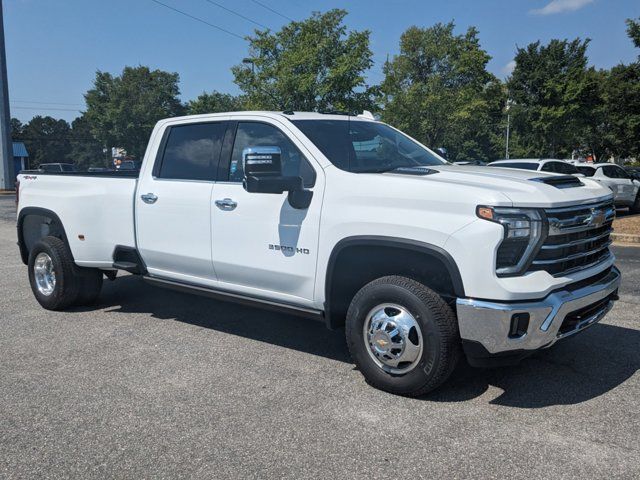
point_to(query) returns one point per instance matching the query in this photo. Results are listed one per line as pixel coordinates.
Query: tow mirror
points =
(262, 166)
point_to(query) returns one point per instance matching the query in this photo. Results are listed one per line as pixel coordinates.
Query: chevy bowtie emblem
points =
(597, 218)
(382, 343)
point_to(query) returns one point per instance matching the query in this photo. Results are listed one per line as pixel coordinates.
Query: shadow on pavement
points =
(571, 372)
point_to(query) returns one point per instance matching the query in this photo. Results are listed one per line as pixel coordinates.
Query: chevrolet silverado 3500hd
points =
(340, 218)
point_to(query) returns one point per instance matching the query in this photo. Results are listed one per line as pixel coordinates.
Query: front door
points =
(173, 205)
(261, 244)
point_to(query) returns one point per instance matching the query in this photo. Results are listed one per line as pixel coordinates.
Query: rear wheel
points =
(402, 336)
(52, 274)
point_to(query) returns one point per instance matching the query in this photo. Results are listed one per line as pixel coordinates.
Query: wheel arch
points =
(411, 258)
(35, 223)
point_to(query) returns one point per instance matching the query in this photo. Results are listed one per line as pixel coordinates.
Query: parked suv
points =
(341, 219)
(626, 190)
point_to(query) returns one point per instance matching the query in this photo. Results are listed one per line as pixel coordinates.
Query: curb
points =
(627, 239)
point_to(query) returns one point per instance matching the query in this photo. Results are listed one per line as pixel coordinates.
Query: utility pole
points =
(506, 154)
(7, 175)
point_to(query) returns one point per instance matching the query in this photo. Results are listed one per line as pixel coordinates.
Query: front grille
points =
(578, 238)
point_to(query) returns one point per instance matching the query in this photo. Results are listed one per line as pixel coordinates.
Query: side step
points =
(129, 260)
(237, 298)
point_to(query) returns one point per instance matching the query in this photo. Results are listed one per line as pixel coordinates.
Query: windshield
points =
(366, 147)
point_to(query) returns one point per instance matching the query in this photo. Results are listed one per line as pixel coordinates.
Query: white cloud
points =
(561, 6)
(508, 68)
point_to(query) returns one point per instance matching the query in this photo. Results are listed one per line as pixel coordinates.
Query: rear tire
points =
(635, 208)
(427, 352)
(52, 274)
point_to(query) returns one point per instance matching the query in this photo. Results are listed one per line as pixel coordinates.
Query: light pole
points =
(248, 61)
(506, 153)
(7, 175)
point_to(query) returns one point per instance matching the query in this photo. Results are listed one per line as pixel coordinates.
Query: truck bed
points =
(108, 173)
(96, 209)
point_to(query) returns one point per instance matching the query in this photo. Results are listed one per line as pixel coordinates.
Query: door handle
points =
(149, 198)
(226, 204)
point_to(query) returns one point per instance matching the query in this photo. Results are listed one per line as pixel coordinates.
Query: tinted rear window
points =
(192, 151)
(587, 171)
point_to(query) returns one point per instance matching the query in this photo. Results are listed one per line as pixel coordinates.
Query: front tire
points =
(402, 336)
(52, 274)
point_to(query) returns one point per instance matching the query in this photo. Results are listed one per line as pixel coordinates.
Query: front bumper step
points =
(563, 313)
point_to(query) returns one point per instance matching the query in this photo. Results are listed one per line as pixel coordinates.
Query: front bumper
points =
(485, 326)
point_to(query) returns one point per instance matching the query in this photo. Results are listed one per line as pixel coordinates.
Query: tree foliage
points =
(46, 139)
(554, 95)
(122, 110)
(215, 102)
(312, 65)
(633, 30)
(86, 150)
(438, 90)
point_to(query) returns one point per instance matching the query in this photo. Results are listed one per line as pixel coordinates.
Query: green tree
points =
(633, 30)
(86, 150)
(16, 129)
(215, 102)
(46, 139)
(439, 91)
(122, 110)
(621, 104)
(554, 95)
(314, 64)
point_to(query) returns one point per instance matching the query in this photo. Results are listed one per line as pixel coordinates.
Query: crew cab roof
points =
(271, 114)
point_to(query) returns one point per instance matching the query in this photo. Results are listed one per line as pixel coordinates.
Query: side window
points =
(621, 173)
(255, 134)
(549, 167)
(192, 151)
(611, 171)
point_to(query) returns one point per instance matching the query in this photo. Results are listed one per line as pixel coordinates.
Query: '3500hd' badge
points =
(285, 248)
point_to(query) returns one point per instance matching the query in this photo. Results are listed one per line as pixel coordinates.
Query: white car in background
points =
(625, 188)
(540, 164)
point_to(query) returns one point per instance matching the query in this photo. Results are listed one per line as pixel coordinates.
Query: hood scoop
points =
(420, 171)
(560, 181)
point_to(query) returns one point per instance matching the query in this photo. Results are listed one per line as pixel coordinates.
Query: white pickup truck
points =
(339, 218)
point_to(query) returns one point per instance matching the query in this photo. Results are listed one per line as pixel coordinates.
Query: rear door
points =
(261, 244)
(620, 182)
(173, 204)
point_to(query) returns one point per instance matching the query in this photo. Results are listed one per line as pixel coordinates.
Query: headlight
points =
(524, 233)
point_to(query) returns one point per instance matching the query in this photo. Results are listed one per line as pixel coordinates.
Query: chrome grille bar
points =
(575, 256)
(578, 242)
(571, 231)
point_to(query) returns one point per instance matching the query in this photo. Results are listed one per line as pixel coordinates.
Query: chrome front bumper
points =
(489, 323)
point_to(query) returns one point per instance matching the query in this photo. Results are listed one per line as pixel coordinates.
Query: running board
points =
(237, 298)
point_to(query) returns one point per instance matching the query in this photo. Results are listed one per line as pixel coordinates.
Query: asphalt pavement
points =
(157, 384)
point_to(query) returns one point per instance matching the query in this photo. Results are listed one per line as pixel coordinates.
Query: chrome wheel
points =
(44, 274)
(393, 338)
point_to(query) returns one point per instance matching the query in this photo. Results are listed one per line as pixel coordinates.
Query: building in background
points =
(20, 157)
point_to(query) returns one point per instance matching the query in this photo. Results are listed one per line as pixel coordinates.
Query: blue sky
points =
(54, 47)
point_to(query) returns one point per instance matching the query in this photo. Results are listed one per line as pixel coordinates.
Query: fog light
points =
(519, 325)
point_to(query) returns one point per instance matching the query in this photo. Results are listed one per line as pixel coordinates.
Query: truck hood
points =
(525, 188)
